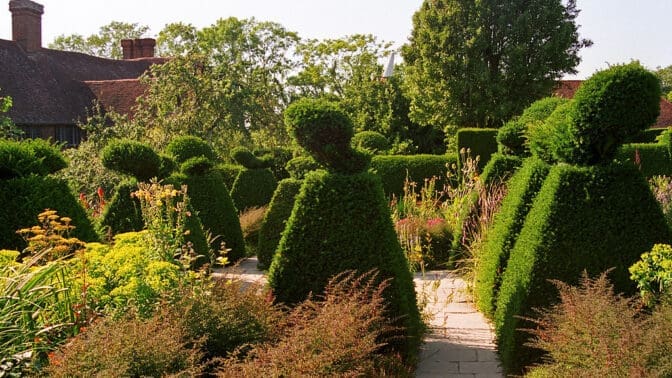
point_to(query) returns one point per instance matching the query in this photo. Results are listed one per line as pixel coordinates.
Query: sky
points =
(622, 30)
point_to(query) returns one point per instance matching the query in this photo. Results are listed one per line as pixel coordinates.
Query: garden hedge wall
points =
(275, 220)
(654, 158)
(501, 236)
(394, 169)
(480, 142)
(584, 218)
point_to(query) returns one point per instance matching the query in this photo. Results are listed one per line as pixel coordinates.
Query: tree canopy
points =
(479, 63)
(106, 43)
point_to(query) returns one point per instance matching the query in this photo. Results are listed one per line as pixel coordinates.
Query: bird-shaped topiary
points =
(255, 184)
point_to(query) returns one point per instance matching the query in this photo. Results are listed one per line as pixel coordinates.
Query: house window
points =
(70, 134)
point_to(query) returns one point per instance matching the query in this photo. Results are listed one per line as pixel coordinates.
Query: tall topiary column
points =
(254, 185)
(340, 221)
(590, 213)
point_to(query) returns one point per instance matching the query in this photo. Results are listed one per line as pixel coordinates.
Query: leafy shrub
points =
(661, 186)
(500, 238)
(131, 158)
(129, 347)
(253, 188)
(275, 220)
(653, 272)
(355, 307)
(540, 110)
(246, 158)
(183, 148)
(18, 160)
(612, 107)
(123, 213)
(481, 144)
(48, 153)
(199, 165)
(371, 141)
(229, 172)
(574, 225)
(395, 170)
(500, 168)
(24, 198)
(300, 166)
(550, 141)
(511, 138)
(652, 159)
(210, 198)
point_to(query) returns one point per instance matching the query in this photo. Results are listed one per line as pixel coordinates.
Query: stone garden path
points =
(459, 341)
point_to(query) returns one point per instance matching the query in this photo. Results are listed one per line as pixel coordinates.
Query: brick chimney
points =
(27, 24)
(138, 48)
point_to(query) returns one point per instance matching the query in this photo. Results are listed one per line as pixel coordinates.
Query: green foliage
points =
(342, 222)
(649, 135)
(476, 64)
(105, 44)
(253, 188)
(300, 166)
(478, 144)
(276, 158)
(210, 198)
(18, 160)
(229, 173)
(371, 141)
(167, 166)
(186, 147)
(123, 212)
(395, 170)
(246, 158)
(48, 153)
(132, 158)
(665, 77)
(576, 223)
(199, 165)
(500, 168)
(652, 159)
(612, 107)
(551, 140)
(501, 236)
(275, 220)
(653, 272)
(24, 198)
(8, 129)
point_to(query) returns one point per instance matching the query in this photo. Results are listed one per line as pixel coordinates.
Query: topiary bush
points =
(185, 147)
(276, 158)
(300, 166)
(132, 158)
(48, 153)
(481, 143)
(167, 166)
(371, 141)
(652, 159)
(196, 166)
(246, 158)
(123, 213)
(500, 168)
(500, 237)
(579, 221)
(649, 135)
(275, 220)
(340, 221)
(551, 141)
(229, 172)
(253, 188)
(18, 160)
(612, 107)
(395, 170)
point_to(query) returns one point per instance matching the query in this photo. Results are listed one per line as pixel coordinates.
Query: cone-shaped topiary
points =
(123, 213)
(132, 158)
(340, 221)
(26, 157)
(183, 148)
(254, 185)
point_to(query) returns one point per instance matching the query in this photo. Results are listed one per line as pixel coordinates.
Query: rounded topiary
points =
(18, 160)
(612, 107)
(253, 188)
(541, 109)
(300, 166)
(183, 148)
(229, 173)
(551, 140)
(371, 141)
(123, 213)
(132, 158)
(50, 155)
(276, 159)
(196, 166)
(511, 138)
(167, 167)
(246, 158)
(325, 131)
(275, 220)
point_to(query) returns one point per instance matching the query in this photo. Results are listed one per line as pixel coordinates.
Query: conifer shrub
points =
(48, 153)
(371, 141)
(500, 168)
(501, 236)
(550, 141)
(541, 109)
(196, 166)
(276, 158)
(229, 172)
(481, 143)
(132, 158)
(123, 213)
(394, 170)
(275, 220)
(23, 198)
(648, 136)
(18, 160)
(340, 221)
(247, 159)
(579, 221)
(511, 138)
(185, 147)
(300, 166)
(167, 166)
(255, 184)
(612, 107)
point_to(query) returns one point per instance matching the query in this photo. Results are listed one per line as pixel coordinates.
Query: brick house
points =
(52, 90)
(567, 88)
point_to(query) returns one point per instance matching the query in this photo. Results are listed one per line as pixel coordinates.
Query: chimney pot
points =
(27, 24)
(127, 48)
(148, 45)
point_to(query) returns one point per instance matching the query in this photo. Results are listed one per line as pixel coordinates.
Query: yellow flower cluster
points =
(51, 234)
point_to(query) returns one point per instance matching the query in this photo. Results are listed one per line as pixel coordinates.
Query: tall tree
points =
(106, 43)
(477, 63)
(665, 76)
(176, 39)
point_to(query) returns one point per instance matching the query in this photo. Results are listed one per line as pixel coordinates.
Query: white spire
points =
(390, 67)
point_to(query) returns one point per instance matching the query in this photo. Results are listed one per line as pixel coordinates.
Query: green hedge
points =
(338, 223)
(393, 170)
(229, 172)
(502, 234)
(371, 141)
(500, 168)
(184, 148)
(123, 213)
(209, 197)
(648, 135)
(19, 159)
(275, 220)
(133, 158)
(583, 218)
(480, 142)
(253, 188)
(24, 198)
(654, 158)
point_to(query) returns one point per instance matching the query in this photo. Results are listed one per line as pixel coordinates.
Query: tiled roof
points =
(567, 88)
(117, 95)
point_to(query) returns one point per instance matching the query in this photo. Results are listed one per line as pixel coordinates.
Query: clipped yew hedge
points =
(479, 142)
(654, 158)
(500, 168)
(393, 170)
(123, 213)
